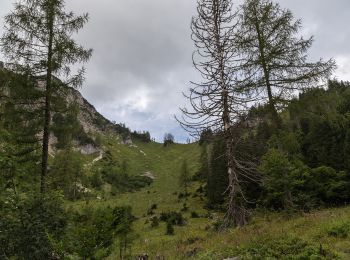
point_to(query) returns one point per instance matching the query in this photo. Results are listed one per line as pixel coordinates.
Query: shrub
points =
(96, 180)
(194, 214)
(93, 230)
(31, 226)
(285, 248)
(290, 184)
(181, 195)
(169, 228)
(340, 230)
(150, 211)
(168, 139)
(218, 224)
(200, 190)
(173, 217)
(193, 240)
(123, 182)
(184, 207)
(154, 221)
(329, 186)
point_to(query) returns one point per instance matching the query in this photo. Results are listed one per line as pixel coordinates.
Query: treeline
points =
(125, 132)
(303, 165)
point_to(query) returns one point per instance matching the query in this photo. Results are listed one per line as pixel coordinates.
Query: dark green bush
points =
(96, 180)
(194, 214)
(184, 207)
(31, 226)
(169, 228)
(93, 230)
(341, 230)
(123, 182)
(290, 184)
(154, 221)
(150, 211)
(173, 217)
(285, 248)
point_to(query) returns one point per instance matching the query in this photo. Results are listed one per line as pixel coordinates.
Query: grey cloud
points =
(142, 54)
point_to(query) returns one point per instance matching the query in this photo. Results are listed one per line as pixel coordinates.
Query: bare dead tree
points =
(219, 101)
(274, 56)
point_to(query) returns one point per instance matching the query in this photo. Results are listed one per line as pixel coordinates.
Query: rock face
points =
(91, 120)
(127, 141)
(89, 149)
(149, 175)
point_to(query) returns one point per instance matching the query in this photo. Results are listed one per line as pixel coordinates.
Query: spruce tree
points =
(273, 55)
(38, 42)
(217, 180)
(19, 127)
(184, 176)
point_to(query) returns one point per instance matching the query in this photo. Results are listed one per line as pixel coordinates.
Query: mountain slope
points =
(267, 233)
(320, 234)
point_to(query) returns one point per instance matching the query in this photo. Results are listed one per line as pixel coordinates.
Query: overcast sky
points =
(142, 54)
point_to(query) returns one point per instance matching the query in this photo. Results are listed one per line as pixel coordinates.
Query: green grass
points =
(197, 239)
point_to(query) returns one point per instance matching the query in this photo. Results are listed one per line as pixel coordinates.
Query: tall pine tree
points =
(273, 55)
(38, 41)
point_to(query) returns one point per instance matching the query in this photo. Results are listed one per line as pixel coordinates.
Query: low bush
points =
(341, 230)
(31, 226)
(150, 211)
(194, 214)
(285, 248)
(169, 229)
(184, 207)
(173, 217)
(154, 221)
(93, 231)
(123, 182)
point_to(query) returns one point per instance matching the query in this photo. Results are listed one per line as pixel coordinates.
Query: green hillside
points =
(126, 193)
(164, 164)
(268, 234)
(145, 176)
(161, 162)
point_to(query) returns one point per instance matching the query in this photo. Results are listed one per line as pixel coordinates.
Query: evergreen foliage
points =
(38, 41)
(217, 179)
(169, 229)
(303, 166)
(31, 227)
(94, 231)
(184, 177)
(168, 139)
(274, 56)
(66, 173)
(116, 174)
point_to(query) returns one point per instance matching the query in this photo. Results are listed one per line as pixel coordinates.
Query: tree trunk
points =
(234, 214)
(275, 117)
(47, 117)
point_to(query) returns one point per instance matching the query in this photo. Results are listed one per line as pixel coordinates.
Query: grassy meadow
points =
(323, 232)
